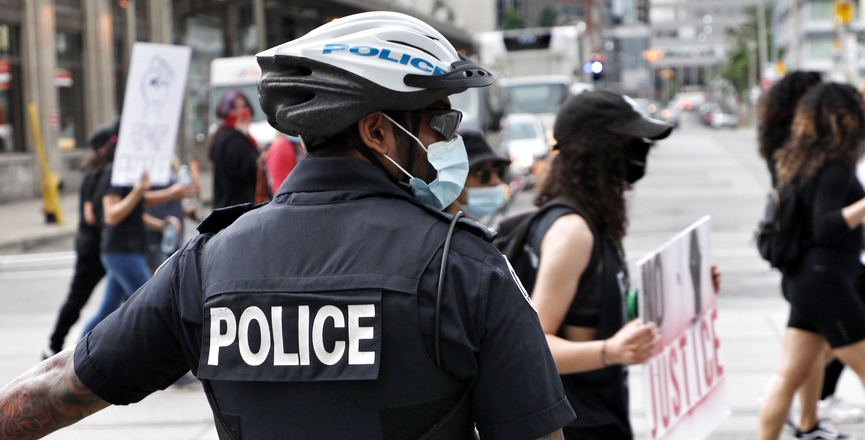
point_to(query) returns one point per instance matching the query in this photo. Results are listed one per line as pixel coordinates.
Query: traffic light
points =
(595, 67)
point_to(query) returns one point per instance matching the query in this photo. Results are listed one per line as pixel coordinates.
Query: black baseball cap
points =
(103, 133)
(604, 111)
(478, 149)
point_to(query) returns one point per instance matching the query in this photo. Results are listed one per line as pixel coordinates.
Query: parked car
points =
(724, 116)
(526, 142)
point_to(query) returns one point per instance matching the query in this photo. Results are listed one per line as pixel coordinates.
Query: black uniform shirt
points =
(491, 336)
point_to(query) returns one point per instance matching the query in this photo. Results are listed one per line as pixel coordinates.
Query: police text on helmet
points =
(385, 54)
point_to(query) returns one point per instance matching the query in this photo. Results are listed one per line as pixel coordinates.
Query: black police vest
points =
(311, 325)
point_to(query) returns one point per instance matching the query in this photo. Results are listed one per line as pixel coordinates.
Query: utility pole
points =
(762, 37)
(794, 35)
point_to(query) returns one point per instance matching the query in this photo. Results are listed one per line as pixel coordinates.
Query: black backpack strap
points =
(544, 219)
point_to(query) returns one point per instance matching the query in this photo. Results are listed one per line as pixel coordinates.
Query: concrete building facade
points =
(692, 37)
(806, 37)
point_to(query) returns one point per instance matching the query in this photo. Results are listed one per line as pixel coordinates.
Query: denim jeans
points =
(126, 272)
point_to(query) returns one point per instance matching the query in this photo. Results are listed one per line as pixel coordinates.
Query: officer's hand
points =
(632, 344)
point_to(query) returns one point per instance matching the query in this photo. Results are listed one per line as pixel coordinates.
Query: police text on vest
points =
(239, 331)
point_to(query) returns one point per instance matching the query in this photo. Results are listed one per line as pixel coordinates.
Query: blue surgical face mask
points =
(451, 162)
(484, 201)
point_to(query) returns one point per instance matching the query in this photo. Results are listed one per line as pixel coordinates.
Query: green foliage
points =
(548, 17)
(512, 19)
(736, 68)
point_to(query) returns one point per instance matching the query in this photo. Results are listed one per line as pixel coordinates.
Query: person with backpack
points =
(575, 268)
(776, 111)
(818, 163)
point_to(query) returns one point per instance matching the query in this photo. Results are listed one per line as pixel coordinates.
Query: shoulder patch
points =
(520, 284)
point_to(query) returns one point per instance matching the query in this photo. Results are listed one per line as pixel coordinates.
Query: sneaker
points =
(823, 431)
(839, 411)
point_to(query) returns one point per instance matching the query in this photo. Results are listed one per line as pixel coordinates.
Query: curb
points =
(32, 242)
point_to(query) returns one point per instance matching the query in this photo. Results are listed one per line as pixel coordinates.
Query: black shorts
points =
(825, 299)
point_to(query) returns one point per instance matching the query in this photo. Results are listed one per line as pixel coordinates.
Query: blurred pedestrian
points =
(234, 152)
(582, 275)
(88, 267)
(828, 139)
(282, 156)
(172, 210)
(123, 242)
(485, 190)
(776, 111)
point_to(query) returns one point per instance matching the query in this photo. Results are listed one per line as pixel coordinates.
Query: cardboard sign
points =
(684, 380)
(151, 113)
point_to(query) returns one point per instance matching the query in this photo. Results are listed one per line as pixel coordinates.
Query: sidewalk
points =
(23, 227)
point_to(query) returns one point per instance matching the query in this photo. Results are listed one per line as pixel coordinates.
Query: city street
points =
(697, 171)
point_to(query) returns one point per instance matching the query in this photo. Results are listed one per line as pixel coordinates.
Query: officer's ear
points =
(376, 132)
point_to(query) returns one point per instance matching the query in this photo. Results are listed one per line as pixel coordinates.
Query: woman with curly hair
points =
(581, 278)
(828, 138)
(776, 111)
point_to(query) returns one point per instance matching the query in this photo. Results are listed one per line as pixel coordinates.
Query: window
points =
(820, 48)
(11, 91)
(822, 10)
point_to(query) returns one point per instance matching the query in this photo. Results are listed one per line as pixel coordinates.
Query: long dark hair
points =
(777, 108)
(829, 125)
(591, 170)
(104, 156)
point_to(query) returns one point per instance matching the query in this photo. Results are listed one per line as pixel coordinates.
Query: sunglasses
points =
(485, 174)
(444, 122)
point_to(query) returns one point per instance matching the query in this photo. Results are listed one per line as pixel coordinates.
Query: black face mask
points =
(635, 167)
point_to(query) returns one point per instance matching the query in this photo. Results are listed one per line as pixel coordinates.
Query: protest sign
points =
(684, 379)
(152, 103)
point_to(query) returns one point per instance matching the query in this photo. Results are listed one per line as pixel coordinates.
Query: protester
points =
(582, 278)
(234, 152)
(438, 338)
(282, 156)
(776, 111)
(123, 241)
(172, 210)
(485, 191)
(828, 138)
(88, 267)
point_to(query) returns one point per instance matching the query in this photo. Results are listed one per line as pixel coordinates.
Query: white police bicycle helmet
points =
(318, 85)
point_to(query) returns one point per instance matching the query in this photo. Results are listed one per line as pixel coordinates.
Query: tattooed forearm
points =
(44, 399)
(554, 436)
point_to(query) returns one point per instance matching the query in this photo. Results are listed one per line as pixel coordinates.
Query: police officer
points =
(350, 306)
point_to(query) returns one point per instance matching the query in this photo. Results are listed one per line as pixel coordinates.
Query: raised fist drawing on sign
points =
(155, 85)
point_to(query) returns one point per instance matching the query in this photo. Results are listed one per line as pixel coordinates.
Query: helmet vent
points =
(413, 46)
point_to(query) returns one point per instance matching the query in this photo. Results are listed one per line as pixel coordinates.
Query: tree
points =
(512, 19)
(736, 68)
(548, 17)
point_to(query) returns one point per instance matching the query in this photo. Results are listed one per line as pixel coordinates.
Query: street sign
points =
(844, 11)
(684, 379)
